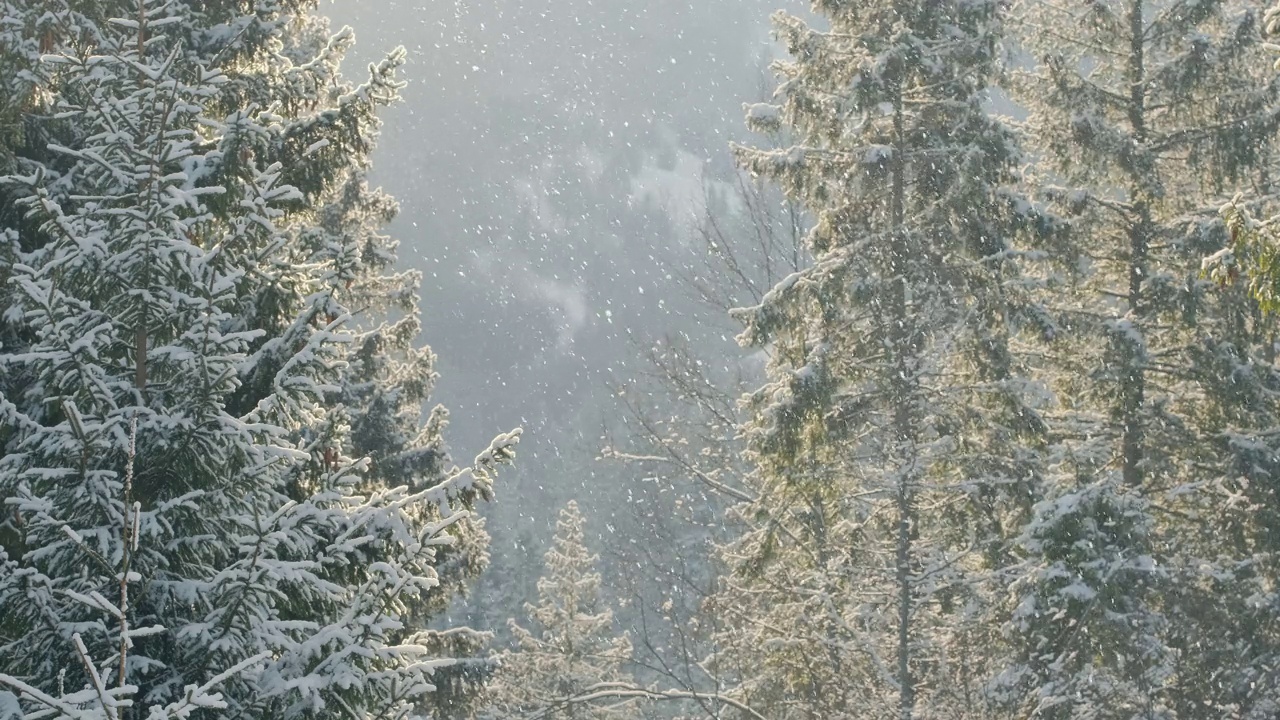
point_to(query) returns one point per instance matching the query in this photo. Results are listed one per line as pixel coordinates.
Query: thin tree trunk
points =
(1134, 393)
(903, 418)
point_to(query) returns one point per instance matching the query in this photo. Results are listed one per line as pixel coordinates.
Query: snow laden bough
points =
(191, 517)
(109, 692)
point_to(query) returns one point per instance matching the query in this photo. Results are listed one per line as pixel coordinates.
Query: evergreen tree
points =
(106, 697)
(1148, 571)
(1085, 641)
(383, 388)
(897, 432)
(190, 250)
(568, 667)
(1252, 250)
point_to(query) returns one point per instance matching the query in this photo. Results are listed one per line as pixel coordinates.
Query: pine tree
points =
(568, 667)
(1145, 112)
(387, 380)
(191, 249)
(897, 425)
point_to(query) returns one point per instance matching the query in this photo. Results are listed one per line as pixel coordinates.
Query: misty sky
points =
(548, 159)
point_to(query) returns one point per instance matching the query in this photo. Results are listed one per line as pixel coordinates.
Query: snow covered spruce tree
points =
(896, 436)
(192, 286)
(1150, 581)
(387, 380)
(380, 393)
(571, 666)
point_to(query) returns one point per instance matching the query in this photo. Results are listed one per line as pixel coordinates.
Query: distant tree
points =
(677, 438)
(573, 650)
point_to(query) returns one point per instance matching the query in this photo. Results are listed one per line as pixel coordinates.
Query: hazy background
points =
(550, 160)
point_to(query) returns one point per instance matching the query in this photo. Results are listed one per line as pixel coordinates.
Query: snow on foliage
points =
(1133, 599)
(559, 666)
(190, 251)
(898, 426)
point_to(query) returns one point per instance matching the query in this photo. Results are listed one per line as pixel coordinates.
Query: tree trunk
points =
(904, 425)
(1134, 390)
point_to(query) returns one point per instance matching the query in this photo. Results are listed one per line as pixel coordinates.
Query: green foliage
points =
(287, 510)
(1253, 251)
(897, 431)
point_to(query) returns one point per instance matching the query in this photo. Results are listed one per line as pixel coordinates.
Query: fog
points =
(549, 158)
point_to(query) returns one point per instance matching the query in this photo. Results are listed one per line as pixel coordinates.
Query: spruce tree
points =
(570, 665)
(897, 431)
(1148, 571)
(193, 288)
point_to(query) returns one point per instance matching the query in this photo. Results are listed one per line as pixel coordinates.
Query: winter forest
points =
(674, 360)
